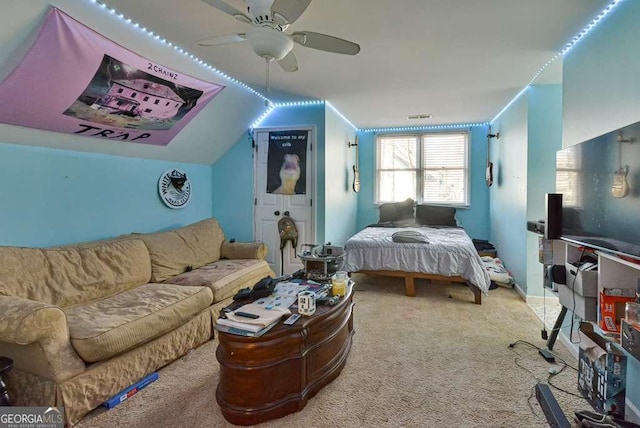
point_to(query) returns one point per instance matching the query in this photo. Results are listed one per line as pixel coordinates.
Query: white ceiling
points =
(459, 60)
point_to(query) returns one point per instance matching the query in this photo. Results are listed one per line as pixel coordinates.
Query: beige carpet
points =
(435, 360)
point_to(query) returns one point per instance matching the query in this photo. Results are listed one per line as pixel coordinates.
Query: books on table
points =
(268, 310)
(241, 330)
(264, 320)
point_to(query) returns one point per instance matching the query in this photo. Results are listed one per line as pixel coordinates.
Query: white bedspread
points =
(448, 252)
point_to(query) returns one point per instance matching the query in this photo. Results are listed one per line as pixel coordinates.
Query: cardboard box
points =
(602, 373)
(584, 307)
(612, 309)
(584, 282)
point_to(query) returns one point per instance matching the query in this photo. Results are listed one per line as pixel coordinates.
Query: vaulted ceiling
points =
(460, 61)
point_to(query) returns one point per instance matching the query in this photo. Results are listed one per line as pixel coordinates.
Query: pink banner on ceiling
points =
(76, 81)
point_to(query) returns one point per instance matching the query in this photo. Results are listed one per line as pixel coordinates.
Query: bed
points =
(448, 254)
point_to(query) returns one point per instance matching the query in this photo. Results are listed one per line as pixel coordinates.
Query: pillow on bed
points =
(429, 215)
(395, 211)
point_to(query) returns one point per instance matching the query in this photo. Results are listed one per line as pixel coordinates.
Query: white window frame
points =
(419, 170)
(573, 169)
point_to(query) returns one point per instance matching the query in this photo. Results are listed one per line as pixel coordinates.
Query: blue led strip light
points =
(264, 115)
(273, 106)
(590, 27)
(341, 115)
(299, 103)
(606, 11)
(177, 48)
(420, 128)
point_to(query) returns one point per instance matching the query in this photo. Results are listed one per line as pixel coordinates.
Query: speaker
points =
(553, 216)
(557, 274)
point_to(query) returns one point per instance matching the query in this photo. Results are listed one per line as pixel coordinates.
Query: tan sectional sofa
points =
(82, 322)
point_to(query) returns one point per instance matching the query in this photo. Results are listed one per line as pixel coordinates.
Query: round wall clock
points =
(174, 188)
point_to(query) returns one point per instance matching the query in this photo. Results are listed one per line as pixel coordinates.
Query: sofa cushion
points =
(243, 250)
(173, 252)
(107, 327)
(68, 276)
(225, 277)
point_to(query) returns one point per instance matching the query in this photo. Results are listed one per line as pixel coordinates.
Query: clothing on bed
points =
(409, 236)
(497, 272)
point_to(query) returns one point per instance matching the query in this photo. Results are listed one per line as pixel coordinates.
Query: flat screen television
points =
(599, 180)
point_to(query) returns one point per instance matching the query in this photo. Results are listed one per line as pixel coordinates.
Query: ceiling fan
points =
(269, 19)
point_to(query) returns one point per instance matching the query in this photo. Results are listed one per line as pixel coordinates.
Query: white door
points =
(269, 208)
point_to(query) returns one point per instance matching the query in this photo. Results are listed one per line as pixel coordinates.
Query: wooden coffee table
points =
(268, 377)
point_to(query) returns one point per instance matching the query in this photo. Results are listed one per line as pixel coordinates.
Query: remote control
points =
(292, 319)
(247, 315)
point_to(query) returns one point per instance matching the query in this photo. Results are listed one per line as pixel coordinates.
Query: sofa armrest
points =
(36, 337)
(243, 250)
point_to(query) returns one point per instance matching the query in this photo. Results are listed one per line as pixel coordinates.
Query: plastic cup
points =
(632, 313)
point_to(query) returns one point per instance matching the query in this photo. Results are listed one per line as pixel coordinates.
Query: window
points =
(430, 168)
(568, 177)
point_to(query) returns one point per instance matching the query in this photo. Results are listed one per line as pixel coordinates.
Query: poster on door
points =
(287, 162)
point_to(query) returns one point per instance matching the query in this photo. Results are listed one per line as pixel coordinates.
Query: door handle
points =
(286, 213)
(276, 212)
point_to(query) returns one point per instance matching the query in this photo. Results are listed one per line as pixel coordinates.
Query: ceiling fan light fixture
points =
(269, 43)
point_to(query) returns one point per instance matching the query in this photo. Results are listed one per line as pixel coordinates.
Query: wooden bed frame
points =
(410, 286)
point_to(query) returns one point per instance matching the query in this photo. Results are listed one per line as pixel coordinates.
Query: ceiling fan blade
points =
(219, 40)
(325, 42)
(229, 10)
(290, 10)
(289, 62)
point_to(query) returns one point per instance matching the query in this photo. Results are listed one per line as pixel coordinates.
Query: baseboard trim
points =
(520, 291)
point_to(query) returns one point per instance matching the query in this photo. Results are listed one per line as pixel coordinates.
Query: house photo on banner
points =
(96, 88)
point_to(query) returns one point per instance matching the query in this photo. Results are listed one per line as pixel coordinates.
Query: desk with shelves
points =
(612, 272)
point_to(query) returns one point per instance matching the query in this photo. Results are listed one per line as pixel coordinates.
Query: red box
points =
(611, 311)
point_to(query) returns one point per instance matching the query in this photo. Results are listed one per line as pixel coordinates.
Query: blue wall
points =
(601, 92)
(545, 139)
(232, 190)
(55, 197)
(524, 158)
(509, 191)
(341, 201)
(474, 219)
